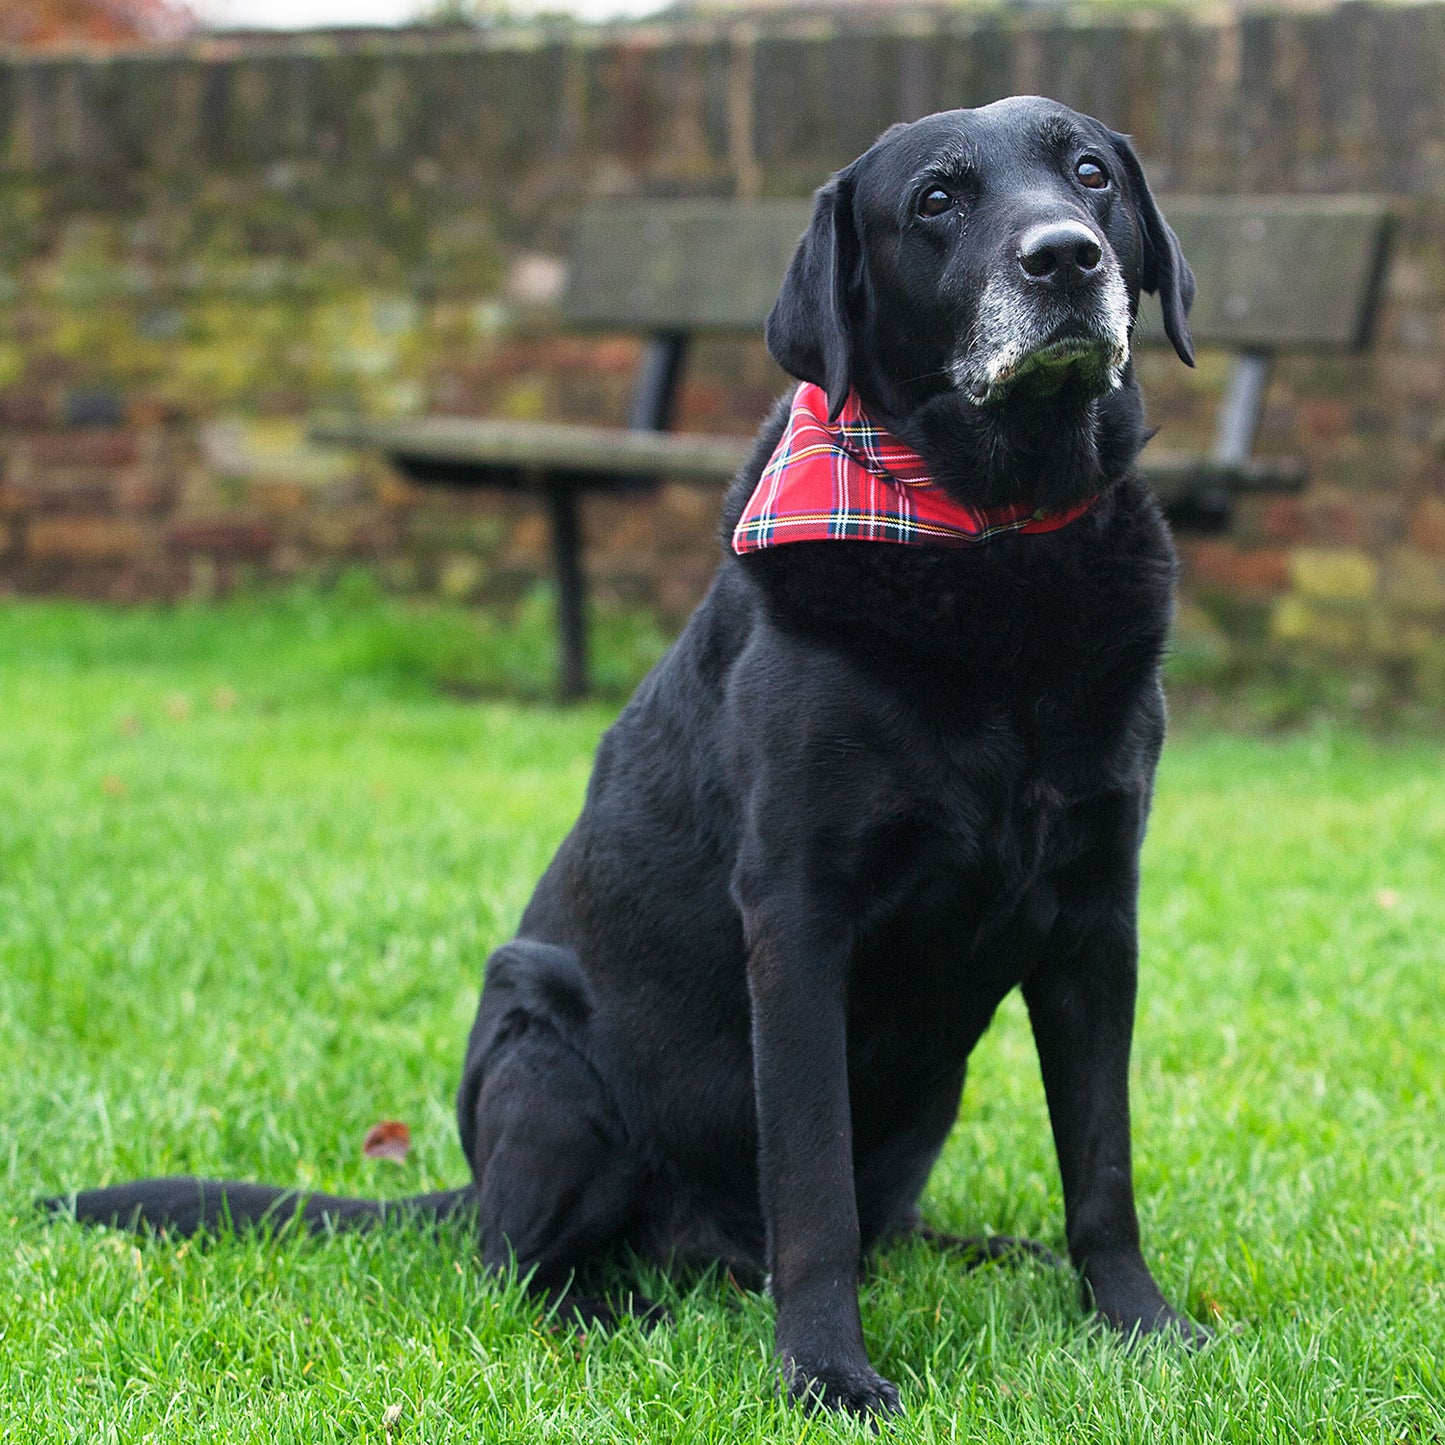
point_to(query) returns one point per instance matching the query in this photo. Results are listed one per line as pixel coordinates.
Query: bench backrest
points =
(681, 266)
(1279, 272)
(1273, 271)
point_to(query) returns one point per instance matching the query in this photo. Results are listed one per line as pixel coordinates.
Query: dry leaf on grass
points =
(389, 1139)
(113, 785)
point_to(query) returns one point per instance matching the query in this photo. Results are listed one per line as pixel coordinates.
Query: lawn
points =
(251, 862)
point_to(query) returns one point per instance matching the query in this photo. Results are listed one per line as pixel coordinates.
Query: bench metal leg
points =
(656, 390)
(1237, 422)
(571, 590)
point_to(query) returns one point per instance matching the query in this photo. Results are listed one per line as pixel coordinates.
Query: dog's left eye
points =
(1092, 174)
(935, 201)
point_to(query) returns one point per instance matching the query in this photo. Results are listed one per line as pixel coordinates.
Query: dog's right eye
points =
(935, 201)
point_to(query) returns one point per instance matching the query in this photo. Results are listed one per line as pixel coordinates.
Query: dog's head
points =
(987, 258)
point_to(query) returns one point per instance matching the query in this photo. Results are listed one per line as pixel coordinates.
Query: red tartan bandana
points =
(850, 479)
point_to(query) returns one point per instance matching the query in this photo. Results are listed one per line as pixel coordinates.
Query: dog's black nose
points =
(1060, 251)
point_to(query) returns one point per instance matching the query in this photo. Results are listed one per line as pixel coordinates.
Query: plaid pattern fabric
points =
(851, 480)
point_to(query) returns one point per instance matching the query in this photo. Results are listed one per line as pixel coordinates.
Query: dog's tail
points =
(184, 1205)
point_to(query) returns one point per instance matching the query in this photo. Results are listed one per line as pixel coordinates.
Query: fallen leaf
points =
(390, 1416)
(224, 699)
(113, 785)
(389, 1139)
(178, 706)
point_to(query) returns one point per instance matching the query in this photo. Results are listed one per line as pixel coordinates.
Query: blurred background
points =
(212, 231)
(263, 816)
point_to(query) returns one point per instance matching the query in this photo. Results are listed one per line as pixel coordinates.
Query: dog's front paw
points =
(855, 1389)
(1166, 1323)
(1126, 1298)
(1153, 1318)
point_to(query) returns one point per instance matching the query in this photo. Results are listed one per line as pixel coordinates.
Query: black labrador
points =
(871, 789)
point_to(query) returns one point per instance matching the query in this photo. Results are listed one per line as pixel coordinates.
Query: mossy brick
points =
(1391, 637)
(87, 539)
(148, 579)
(274, 452)
(1414, 582)
(1283, 520)
(626, 522)
(459, 576)
(399, 574)
(530, 539)
(343, 490)
(1334, 574)
(288, 560)
(82, 447)
(681, 516)
(1316, 627)
(1351, 519)
(42, 494)
(396, 493)
(87, 580)
(1386, 516)
(145, 491)
(222, 536)
(435, 527)
(1429, 675)
(277, 498)
(1323, 418)
(27, 408)
(680, 587)
(359, 533)
(372, 535)
(1425, 526)
(1214, 563)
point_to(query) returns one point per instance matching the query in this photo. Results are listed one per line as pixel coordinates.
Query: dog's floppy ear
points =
(810, 330)
(1165, 269)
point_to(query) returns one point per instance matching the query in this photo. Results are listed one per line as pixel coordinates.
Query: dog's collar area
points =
(850, 480)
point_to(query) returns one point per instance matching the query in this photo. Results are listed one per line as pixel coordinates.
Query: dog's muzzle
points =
(1060, 317)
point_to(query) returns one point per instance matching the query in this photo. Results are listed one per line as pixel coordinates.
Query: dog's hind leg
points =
(557, 1177)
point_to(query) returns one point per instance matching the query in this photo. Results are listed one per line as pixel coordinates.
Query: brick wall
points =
(199, 246)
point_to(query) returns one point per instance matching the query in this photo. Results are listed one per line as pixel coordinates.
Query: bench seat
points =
(467, 451)
(473, 449)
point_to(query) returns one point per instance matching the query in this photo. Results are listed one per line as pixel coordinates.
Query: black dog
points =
(871, 789)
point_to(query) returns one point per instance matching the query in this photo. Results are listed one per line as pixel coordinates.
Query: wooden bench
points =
(1274, 273)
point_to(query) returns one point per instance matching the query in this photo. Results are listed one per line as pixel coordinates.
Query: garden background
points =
(204, 243)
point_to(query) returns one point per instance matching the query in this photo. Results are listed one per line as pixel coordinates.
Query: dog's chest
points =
(994, 826)
(981, 850)
(979, 900)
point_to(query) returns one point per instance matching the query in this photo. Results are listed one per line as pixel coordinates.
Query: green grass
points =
(251, 862)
